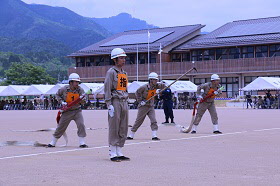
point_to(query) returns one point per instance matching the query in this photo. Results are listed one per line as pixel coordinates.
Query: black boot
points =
(166, 121)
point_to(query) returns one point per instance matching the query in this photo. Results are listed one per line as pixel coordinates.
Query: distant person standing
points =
(249, 100)
(24, 102)
(166, 96)
(268, 94)
(260, 102)
(46, 103)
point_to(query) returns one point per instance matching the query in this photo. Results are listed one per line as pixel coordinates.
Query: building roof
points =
(129, 40)
(236, 33)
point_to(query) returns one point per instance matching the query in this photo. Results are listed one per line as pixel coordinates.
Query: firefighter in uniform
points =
(166, 96)
(65, 95)
(116, 95)
(210, 88)
(146, 108)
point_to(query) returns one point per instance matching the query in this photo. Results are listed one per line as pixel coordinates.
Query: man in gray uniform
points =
(116, 95)
(146, 108)
(68, 94)
(203, 90)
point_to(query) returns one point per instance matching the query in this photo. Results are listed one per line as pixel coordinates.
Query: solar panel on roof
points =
(136, 38)
(252, 29)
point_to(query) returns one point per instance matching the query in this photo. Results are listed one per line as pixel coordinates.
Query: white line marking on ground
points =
(54, 152)
(138, 143)
(266, 129)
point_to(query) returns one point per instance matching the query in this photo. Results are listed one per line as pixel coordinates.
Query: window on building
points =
(130, 59)
(100, 60)
(197, 55)
(209, 54)
(142, 58)
(89, 61)
(234, 53)
(231, 85)
(262, 51)
(222, 53)
(248, 52)
(176, 57)
(186, 56)
(80, 62)
(199, 81)
(153, 58)
(106, 61)
(274, 50)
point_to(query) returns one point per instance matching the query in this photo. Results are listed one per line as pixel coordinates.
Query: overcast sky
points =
(166, 13)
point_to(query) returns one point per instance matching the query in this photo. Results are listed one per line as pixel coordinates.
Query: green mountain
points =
(21, 20)
(122, 22)
(29, 46)
(44, 35)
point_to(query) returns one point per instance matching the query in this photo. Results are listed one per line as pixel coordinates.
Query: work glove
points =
(111, 110)
(63, 103)
(216, 92)
(143, 103)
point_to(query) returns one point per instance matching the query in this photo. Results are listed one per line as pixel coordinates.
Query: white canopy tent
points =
(14, 90)
(181, 86)
(263, 83)
(99, 91)
(2, 88)
(54, 89)
(37, 90)
(93, 86)
(132, 87)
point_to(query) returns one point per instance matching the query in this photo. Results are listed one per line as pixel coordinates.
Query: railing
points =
(175, 68)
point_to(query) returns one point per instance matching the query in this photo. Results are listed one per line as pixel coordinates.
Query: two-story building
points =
(238, 51)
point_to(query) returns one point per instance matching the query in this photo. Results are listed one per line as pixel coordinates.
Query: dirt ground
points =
(247, 153)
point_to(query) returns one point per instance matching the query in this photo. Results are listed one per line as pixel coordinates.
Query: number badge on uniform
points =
(211, 92)
(122, 82)
(70, 97)
(151, 93)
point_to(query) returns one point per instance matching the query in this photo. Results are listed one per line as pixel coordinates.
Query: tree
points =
(27, 74)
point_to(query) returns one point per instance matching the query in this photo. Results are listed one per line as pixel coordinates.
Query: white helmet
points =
(153, 75)
(215, 77)
(74, 77)
(117, 52)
